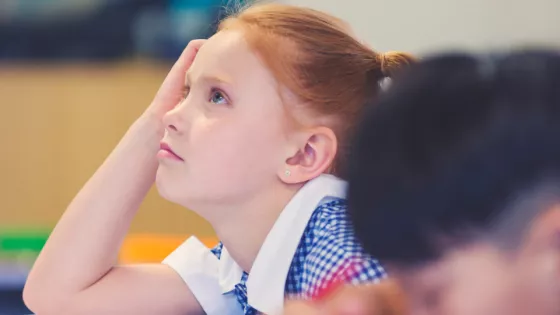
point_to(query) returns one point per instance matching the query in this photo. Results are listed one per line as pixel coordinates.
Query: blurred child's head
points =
(455, 184)
(270, 101)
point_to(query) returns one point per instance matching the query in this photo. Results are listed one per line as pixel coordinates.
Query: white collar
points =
(266, 283)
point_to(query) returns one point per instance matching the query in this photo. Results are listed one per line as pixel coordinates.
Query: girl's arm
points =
(76, 272)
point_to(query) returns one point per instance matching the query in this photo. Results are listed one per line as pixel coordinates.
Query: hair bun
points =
(392, 62)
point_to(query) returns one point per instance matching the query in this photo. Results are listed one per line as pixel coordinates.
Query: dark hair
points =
(450, 148)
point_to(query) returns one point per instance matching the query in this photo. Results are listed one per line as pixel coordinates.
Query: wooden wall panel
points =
(58, 123)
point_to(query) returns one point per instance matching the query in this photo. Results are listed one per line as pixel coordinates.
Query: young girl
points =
(246, 140)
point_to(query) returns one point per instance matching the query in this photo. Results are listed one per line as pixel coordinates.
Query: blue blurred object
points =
(12, 279)
(103, 29)
(100, 33)
(164, 33)
(11, 303)
(189, 4)
(33, 11)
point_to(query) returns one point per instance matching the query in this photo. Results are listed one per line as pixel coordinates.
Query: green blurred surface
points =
(16, 241)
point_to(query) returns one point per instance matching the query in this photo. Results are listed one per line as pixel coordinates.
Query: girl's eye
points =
(217, 97)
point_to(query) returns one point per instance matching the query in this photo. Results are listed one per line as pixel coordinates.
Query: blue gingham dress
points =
(327, 253)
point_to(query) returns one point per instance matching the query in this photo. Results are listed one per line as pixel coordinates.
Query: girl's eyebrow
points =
(210, 78)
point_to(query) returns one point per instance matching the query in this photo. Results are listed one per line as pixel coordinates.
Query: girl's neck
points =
(243, 230)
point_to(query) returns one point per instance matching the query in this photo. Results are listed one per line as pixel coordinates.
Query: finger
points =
(175, 78)
(187, 56)
(384, 298)
(352, 300)
(169, 93)
(300, 308)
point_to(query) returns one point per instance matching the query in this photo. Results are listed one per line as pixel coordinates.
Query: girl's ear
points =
(314, 153)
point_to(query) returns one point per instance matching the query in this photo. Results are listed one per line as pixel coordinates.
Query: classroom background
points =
(75, 73)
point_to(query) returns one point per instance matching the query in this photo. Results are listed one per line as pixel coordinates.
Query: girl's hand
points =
(385, 298)
(170, 92)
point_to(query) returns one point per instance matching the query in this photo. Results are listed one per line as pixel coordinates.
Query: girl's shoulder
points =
(329, 252)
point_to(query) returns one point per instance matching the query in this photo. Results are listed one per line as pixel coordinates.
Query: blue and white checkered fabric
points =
(328, 253)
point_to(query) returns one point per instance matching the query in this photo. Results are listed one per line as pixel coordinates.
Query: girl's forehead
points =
(224, 40)
(226, 47)
(227, 54)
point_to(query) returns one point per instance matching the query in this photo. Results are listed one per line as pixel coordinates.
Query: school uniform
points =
(310, 246)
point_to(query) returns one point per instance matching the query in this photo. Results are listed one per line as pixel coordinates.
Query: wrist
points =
(148, 127)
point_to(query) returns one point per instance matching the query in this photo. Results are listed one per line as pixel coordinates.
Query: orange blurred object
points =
(151, 248)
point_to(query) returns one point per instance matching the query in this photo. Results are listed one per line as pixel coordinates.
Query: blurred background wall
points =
(75, 73)
(432, 25)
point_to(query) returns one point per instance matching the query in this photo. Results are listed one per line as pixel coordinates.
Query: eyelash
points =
(215, 91)
(186, 89)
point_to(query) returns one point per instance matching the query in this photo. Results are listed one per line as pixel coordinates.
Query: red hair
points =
(313, 55)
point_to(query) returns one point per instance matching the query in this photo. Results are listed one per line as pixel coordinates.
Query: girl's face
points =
(229, 133)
